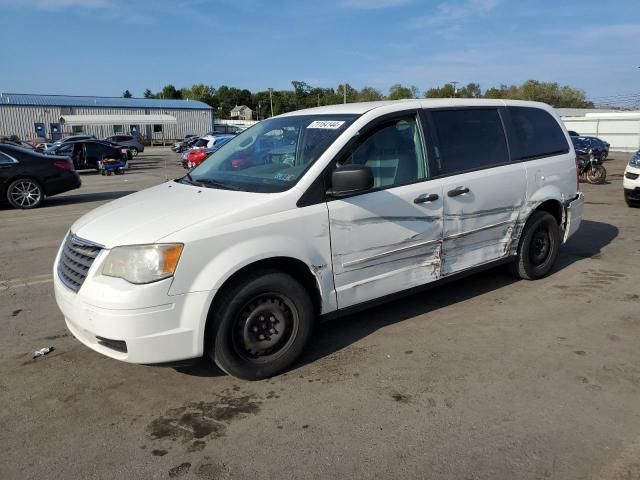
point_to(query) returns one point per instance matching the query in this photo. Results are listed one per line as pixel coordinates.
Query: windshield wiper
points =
(189, 179)
(217, 184)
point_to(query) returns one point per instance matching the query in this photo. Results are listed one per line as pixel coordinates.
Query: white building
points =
(620, 129)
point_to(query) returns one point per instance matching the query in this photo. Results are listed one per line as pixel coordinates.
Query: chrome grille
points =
(75, 261)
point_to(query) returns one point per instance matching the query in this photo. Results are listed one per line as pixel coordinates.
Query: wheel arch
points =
(295, 267)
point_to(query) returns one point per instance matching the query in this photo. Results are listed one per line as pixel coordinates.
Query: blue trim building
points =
(32, 116)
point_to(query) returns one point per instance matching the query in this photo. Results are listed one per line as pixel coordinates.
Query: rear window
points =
(536, 134)
(468, 139)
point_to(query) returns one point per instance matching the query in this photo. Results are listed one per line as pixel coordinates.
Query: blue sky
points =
(102, 47)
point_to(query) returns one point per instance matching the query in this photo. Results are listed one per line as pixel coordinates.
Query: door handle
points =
(426, 198)
(457, 191)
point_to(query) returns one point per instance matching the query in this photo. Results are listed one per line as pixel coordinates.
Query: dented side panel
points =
(480, 226)
(382, 242)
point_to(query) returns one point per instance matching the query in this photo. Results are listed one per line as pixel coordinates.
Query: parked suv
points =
(134, 144)
(631, 181)
(312, 214)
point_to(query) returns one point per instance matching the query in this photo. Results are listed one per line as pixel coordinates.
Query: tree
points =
(148, 93)
(399, 92)
(169, 91)
(369, 94)
(446, 91)
(127, 94)
(201, 92)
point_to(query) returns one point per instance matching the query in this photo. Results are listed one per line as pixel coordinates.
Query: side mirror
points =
(350, 179)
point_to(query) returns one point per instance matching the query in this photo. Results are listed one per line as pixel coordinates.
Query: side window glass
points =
(394, 152)
(468, 140)
(536, 133)
(6, 159)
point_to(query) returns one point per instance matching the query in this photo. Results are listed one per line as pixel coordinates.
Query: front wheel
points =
(25, 193)
(261, 325)
(539, 246)
(596, 174)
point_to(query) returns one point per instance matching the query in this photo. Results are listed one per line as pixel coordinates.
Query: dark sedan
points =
(87, 154)
(595, 143)
(27, 177)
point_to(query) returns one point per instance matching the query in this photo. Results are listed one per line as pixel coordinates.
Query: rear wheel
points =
(261, 325)
(596, 174)
(134, 151)
(538, 247)
(25, 193)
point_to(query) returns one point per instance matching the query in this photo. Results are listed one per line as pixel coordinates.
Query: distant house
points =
(241, 112)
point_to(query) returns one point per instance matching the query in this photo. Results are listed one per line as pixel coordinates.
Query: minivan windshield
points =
(272, 155)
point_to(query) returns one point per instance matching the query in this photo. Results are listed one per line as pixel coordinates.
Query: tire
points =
(596, 175)
(248, 343)
(25, 193)
(539, 246)
(134, 151)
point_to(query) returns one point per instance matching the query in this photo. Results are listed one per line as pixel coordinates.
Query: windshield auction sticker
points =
(326, 124)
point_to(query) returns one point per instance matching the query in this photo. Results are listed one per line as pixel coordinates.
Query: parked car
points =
(195, 157)
(27, 177)
(134, 144)
(631, 181)
(87, 154)
(74, 138)
(239, 264)
(223, 128)
(596, 144)
(208, 141)
(185, 144)
(573, 133)
(43, 147)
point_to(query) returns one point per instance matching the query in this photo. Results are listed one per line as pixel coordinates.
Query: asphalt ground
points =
(485, 378)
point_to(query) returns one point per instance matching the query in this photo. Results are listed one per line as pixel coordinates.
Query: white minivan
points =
(315, 213)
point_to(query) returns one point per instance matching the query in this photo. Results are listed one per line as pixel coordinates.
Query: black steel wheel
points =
(260, 325)
(25, 193)
(538, 247)
(265, 327)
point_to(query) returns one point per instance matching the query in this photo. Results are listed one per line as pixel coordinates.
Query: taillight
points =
(63, 164)
(197, 155)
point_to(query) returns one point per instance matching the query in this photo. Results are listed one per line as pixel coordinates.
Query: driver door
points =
(387, 239)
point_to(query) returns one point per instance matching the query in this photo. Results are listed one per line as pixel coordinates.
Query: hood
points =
(149, 215)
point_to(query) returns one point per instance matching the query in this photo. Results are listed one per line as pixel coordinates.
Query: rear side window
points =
(468, 139)
(6, 159)
(536, 134)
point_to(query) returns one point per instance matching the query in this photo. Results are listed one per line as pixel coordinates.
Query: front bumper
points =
(628, 180)
(573, 215)
(134, 323)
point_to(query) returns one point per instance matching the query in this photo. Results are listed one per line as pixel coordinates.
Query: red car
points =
(195, 157)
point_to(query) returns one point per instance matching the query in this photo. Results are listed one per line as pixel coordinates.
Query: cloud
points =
(53, 5)
(448, 12)
(373, 4)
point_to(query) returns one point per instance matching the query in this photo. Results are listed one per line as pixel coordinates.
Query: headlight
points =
(635, 160)
(143, 263)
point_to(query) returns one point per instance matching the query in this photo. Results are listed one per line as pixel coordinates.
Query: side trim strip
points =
(481, 229)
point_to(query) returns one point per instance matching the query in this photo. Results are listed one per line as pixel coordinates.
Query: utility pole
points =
(271, 100)
(344, 90)
(455, 88)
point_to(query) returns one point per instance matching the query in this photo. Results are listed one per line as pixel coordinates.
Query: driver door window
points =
(394, 152)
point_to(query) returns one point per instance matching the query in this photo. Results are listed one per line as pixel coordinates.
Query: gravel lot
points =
(486, 378)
